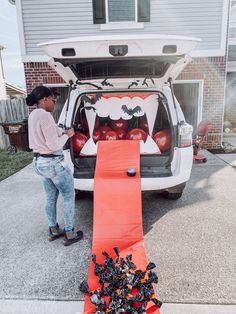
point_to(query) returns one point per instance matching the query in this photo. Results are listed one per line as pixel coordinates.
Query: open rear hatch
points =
(120, 56)
(120, 81)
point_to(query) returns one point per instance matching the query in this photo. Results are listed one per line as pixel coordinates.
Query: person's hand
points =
(70, 132)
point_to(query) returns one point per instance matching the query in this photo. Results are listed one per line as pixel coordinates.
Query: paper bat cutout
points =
(91, 100)
(131, 112)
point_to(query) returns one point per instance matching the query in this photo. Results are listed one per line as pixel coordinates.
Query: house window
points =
(121, 10)
(110, 11)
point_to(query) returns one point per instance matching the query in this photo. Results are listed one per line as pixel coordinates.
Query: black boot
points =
(55, 233)
(72, 237)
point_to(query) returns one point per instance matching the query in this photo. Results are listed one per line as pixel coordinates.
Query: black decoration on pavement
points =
(126, 288)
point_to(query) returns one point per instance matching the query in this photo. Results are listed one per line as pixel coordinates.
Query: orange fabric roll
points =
(117, 209)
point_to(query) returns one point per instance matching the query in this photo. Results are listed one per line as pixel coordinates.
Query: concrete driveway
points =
(192, 241)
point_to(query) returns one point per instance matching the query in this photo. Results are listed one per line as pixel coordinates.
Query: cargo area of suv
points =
(139, 115)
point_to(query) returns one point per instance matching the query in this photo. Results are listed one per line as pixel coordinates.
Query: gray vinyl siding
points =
(45, 20)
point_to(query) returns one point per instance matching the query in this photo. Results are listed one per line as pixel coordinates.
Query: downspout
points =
(1, 63)
(2, 74)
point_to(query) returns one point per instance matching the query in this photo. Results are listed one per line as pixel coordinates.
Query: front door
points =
(189, 95)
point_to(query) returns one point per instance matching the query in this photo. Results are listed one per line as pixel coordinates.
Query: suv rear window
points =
(117, 68)
(121, 68)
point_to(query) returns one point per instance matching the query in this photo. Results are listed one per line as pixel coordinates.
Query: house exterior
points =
(200, 87)
(13, 91)
(8, 90)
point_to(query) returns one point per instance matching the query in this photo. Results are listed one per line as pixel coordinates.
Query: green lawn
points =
(10, 164)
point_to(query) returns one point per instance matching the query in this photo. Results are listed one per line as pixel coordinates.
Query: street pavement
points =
(192, 241)
(72, 307)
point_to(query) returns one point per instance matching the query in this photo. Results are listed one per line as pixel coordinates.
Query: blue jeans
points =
(57, 177)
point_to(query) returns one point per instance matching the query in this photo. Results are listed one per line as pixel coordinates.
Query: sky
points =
(9, 38)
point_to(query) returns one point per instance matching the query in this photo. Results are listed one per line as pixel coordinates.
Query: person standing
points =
(46, 140)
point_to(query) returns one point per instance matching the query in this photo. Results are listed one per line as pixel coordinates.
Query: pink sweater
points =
(45, 137)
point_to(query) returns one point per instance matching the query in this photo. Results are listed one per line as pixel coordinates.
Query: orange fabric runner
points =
(117, 209)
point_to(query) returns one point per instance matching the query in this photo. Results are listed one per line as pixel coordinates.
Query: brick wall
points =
(40, 73)
(211, 70)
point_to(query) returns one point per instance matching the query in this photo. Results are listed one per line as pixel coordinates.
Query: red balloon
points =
(144, 124)
(163, 140)
(78, 141)
(204, 127)
(136, 134)
(97, 135)
(104, 128)
(110, 136)
(119, 124)
(121, 134)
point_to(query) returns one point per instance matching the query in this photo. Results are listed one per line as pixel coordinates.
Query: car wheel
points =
(172, 196)
(80, 194)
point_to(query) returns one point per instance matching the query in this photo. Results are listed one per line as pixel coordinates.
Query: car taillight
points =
(185, 134)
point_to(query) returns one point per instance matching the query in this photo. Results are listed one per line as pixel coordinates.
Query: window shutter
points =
(143, 10)
(99, 12)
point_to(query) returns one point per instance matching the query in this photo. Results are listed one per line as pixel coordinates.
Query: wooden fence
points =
(11, 110)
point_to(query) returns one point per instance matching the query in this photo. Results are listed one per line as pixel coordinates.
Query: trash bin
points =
(18, 135)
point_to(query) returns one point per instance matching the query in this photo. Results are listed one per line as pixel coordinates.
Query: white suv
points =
(121, 89)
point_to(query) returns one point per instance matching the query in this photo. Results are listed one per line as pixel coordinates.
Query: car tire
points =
(172, 196)
(79, 194)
